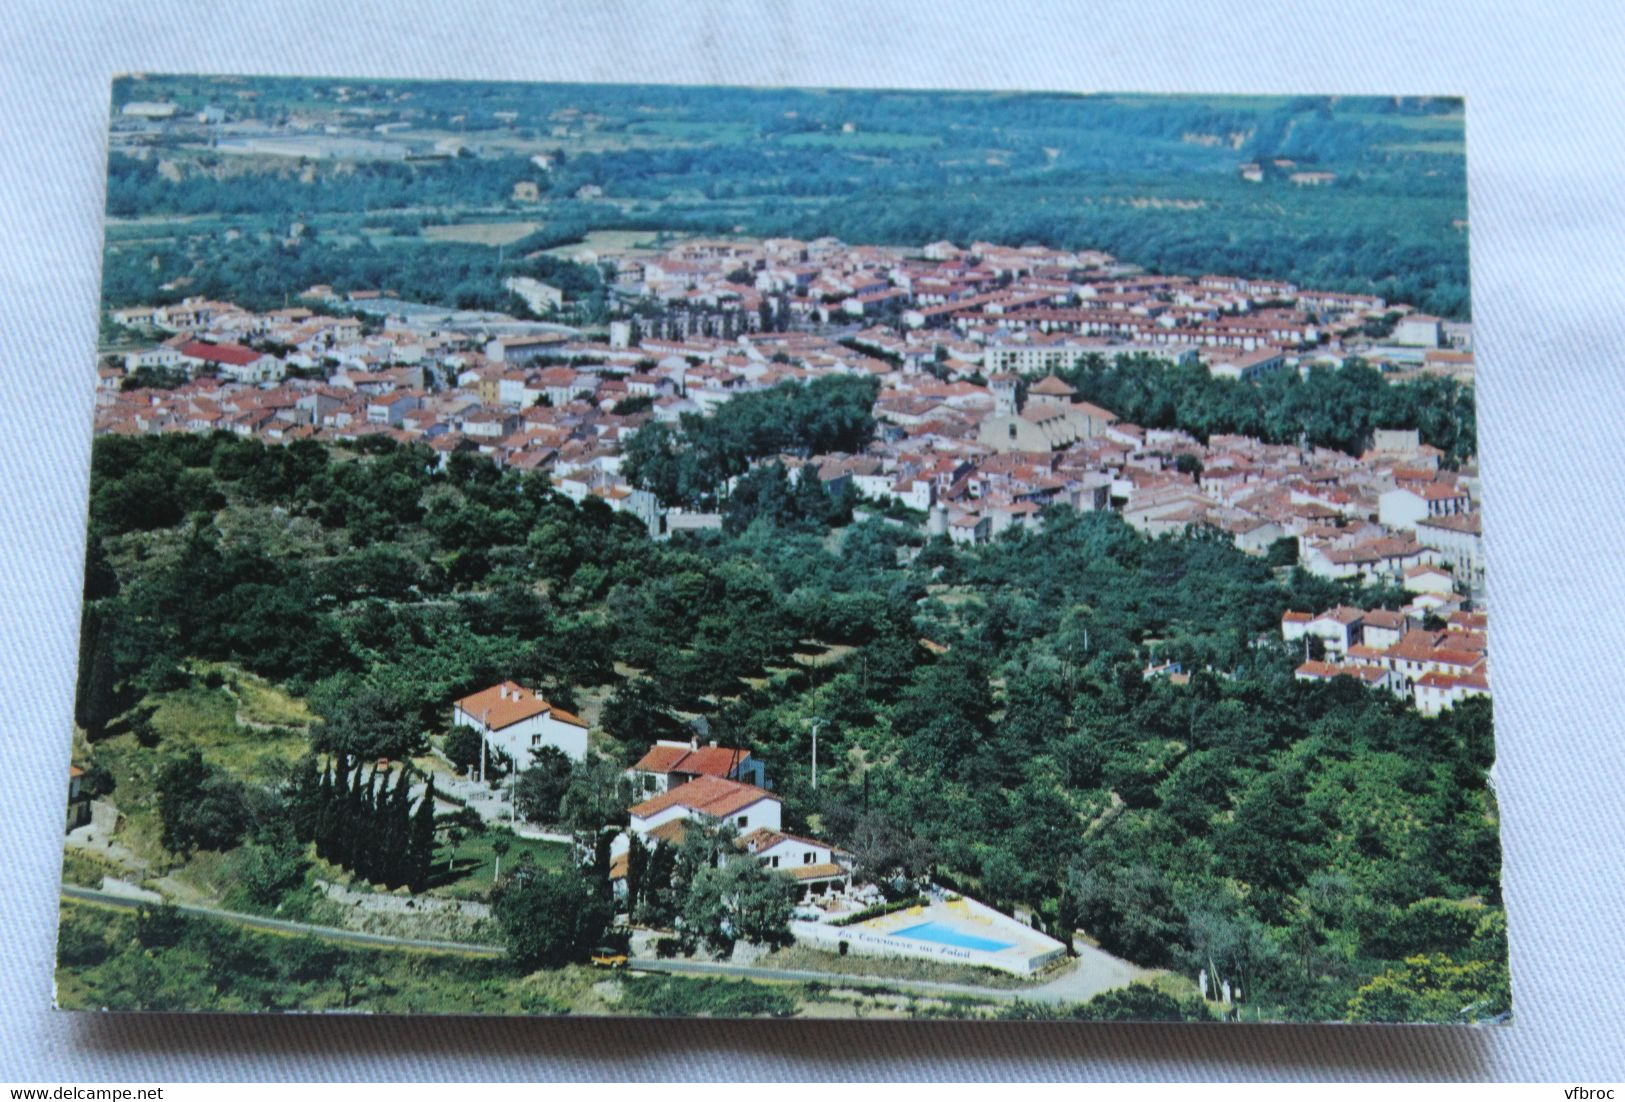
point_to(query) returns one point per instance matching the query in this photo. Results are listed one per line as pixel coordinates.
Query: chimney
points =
(538, 693)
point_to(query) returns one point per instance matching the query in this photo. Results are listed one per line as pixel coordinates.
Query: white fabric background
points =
(1544, 87)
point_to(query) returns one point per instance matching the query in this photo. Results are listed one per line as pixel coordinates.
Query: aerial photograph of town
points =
(794, 553)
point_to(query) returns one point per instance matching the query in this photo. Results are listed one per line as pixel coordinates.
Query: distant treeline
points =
(1150, 179)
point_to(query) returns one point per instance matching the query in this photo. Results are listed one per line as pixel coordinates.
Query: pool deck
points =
(1021, 949)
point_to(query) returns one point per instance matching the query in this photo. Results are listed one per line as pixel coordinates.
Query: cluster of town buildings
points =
(1434, 667)
(976, 431)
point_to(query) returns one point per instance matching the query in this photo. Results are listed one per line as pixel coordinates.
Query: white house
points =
(709, 798)
(1401, 508)
(1382, 628)
(1372, 676)
(1406, 507)
(1385, 558)
(540, 297)
(234, 361)
(1435, 691)
(515, 720)
(389, 409)
(162, 356)
(1428, 578)
(1236, 364)
(1417, 331)
(1295, 625)
(916, 493)
(815, 866)
(970, 529)
(1338, 628)
(1459, 540)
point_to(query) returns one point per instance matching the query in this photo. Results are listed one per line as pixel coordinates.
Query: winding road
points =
(1092, 973)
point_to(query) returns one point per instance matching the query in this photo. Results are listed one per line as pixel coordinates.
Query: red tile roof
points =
(509, 703)
(671, 833)
(1051, 385)
(823, 871)
(1343, 614)
(234, 354)
(661, 759)
(706, 795)
(762, 838)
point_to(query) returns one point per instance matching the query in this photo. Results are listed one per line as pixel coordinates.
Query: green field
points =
(860, 141)
(475, 864)
(605, 241)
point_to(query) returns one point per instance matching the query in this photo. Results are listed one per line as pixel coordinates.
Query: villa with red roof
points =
(669, 764)
(709, 798)
(514, 721)
(817, 867)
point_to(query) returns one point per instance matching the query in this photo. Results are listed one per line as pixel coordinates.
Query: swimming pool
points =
(943, 934)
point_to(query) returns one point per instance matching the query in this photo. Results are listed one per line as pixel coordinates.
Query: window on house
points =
(1012, 430)
(775, 862)
(807, 858)
(743, 820)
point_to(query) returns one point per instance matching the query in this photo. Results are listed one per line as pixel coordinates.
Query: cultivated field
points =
(482, 233)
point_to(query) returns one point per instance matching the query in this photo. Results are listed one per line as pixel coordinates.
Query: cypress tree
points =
(599, 871)
(379, 833)
(96, 703)
(305, 799)
(366, 834)
(346, 797)
(399, 834)
(325, 819)
(637, 860)
(421, 852)
(654, 887)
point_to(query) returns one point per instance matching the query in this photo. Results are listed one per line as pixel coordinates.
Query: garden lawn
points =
(475, 865)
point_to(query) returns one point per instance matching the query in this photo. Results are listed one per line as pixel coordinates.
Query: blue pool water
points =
(943, 934)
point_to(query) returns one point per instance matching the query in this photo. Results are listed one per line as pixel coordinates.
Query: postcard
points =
(744, 552)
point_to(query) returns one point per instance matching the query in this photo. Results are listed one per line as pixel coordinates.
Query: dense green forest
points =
(687, 463)
(1153, 180)
(1324, 847)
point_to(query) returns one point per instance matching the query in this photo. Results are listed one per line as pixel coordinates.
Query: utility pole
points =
(817, 722)
(485, 727)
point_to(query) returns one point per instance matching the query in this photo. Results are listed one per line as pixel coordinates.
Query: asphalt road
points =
(1093, 973)
(1083, 980)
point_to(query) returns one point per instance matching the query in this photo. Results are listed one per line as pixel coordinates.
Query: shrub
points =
(879, 909)
(691, 996)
